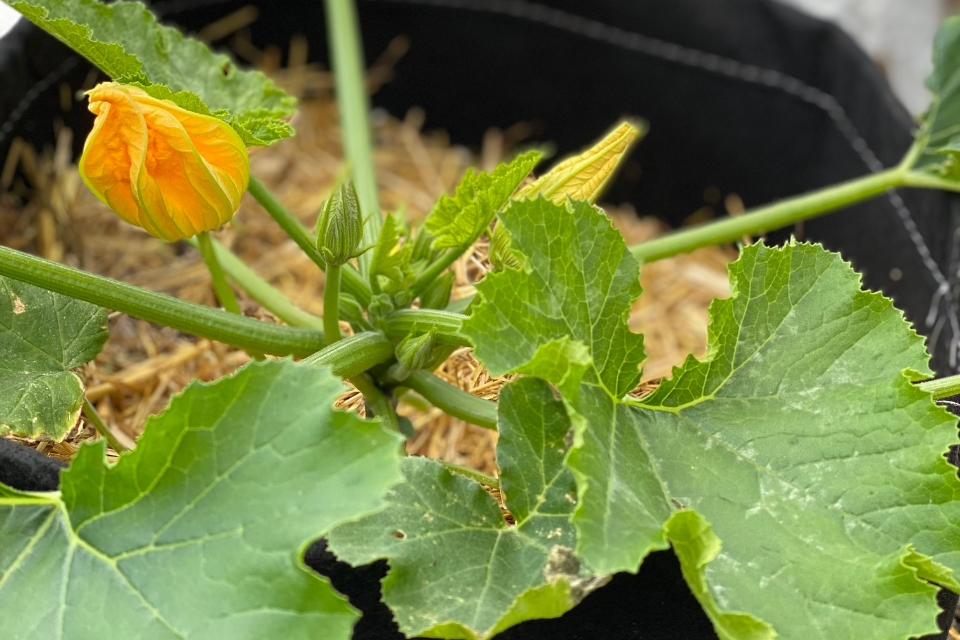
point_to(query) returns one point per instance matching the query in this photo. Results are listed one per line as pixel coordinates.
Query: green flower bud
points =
(437, 293)
(350, 309)
(501, 256)
(416, 352)
(339, 227)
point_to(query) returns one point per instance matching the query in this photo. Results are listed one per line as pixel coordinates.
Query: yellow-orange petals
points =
(171, 171)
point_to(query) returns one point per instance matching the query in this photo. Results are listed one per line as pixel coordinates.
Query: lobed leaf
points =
(457, 221)
(193, 534)
(939, 133)
(127, 43)
(43, 335)
(457, 568)
(797, 471)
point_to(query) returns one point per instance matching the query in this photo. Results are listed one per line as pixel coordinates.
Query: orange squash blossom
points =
(170, 171)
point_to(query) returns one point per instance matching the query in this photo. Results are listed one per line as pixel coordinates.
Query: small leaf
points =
(43, 335)
(388, 260)
(457, 568)
(584, 176)
(457, 221)
(195, 533)
(939, 133)
(128, 44)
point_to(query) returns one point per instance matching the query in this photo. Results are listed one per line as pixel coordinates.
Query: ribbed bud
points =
(416, 352)
(437, 293)
(340, 227)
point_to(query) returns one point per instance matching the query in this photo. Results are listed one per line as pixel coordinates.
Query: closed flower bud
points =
(340, 227)
(501, 255)
(437, 293)
(170, 171)
(416, 352)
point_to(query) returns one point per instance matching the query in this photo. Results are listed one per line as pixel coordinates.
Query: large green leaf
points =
(457, 221)
(195, 533)
(125, 40)
(457, 568)
(807, 468)
(43, 335)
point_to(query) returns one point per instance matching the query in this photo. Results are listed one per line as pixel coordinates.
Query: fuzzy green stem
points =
(220, 285)
(768, 218)
(91, 412)
(377, 400)
(943, 387)
(188, 317)
(353, 355)
(261, 290)
(473, 474)
(447, 324)
(346, 53)
(331, 304)
(353, 283)
(433, 272)
(456, 402)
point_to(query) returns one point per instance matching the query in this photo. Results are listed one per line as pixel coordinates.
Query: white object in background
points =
(897, 33)
(8, 18)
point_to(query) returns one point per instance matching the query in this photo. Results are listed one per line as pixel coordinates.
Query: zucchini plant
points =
(797, 470)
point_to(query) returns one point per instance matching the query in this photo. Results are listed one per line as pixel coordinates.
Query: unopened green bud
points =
(416, 352)
(437, 293)
(501, 256)
(350, 309)
(340, 227)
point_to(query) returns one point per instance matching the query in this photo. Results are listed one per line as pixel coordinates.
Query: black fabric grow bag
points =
(747, 96)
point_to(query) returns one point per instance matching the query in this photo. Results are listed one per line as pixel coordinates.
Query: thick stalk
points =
(346, 53)
(331, 304)
(353, 283)
(447, 324)
(377, 400)
(768, 218)
(942, 388)
(353, 355)
(456, 402)
(188, 317)
(220, 285)
(261, 290)
(91, 412)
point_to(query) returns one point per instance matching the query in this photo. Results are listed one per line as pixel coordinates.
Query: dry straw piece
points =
(45, 209)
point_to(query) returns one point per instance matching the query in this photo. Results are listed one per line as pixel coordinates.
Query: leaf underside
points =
(193, 534)
(796, 469)
(43, 335)
(939, 133)
(127, 43)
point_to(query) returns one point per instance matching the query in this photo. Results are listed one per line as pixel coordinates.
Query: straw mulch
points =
(143, 365)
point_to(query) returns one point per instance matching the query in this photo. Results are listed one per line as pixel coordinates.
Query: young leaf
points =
(125, 41)
(194, 534)
(584, 176)
(811, 461)
(457, 568)
(578, 283)
(388, 261)
(43, 335)
(457, 221)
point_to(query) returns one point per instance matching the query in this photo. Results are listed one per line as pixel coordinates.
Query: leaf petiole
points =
(942, 387)
(91, 412)
(220, 285)
(452, 400)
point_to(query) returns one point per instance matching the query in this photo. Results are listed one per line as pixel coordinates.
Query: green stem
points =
(473, 474)
(331, 304)
(220, 285)
(353, 355)
(456, 402)
(91, 412)
(346, 53)
(188, 317)
(943, 387)
(377, 400)
(447, 324)
(768, 218)
(434, 270)
(261, 290)
(353, 283)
